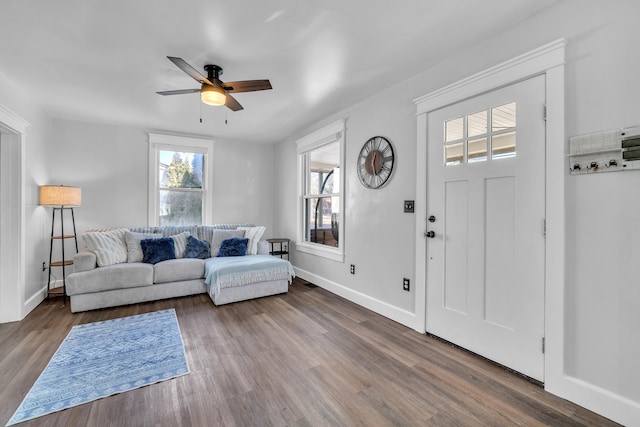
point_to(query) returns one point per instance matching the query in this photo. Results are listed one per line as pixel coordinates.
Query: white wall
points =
(602, 286)
(110, 163)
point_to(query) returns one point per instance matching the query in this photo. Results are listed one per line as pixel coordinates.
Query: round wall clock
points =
(375, 162)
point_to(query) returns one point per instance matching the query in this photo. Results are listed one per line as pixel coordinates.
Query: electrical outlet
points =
(352, 269)
(44, 265)
(405, 284)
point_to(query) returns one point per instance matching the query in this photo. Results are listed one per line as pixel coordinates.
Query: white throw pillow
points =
(180, 243)
(220, 235)
(254, 234)
(132, 240)
(109, 246)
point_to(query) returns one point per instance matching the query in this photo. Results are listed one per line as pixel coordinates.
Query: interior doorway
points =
(12, 256)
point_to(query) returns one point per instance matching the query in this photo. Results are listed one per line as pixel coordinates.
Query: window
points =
(178, 180)
(320, 184)
(468, 139)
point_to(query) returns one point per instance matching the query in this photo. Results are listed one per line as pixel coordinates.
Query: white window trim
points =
(159, 142)
(328, 134)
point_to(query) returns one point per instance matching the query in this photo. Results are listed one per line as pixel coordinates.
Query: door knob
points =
(430, 234)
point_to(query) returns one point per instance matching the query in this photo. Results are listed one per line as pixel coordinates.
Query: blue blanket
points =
(225, 272)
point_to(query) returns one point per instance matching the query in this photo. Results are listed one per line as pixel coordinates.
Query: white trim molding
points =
(13, 130)
(158, 142)
(334, 132)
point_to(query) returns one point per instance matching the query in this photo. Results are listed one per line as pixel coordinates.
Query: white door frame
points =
(12, 244)
(546, 60)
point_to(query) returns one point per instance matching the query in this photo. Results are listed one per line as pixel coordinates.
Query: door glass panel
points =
(477, 124)
(454, 129)
(503, 145)
(503, 117)
(453, 154)
(477, 150)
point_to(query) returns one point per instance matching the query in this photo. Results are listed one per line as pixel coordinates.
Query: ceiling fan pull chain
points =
(200, 112)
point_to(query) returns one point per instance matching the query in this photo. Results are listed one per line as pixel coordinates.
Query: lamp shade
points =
(60, 195)
(212, 95)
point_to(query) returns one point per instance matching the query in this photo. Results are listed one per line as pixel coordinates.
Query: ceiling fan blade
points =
(182, 64)
(232, 103)
(247, 86)
(178, 92)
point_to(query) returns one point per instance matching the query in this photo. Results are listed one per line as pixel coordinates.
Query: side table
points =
(283, 248)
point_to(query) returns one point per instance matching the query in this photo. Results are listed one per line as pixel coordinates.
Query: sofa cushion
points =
(197, 248)
(109, 246)
(134, 250)
(156, 250)
(233, 247)
(220, 235)
(254, 234)
(180, 243)
(175, 270)
(118, 276)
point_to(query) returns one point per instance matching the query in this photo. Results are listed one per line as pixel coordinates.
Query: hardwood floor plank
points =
(305, 358)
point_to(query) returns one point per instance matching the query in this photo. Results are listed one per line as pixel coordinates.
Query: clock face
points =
(375, 162)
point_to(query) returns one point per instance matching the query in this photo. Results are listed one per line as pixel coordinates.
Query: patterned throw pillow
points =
(108, 246)
(233, 247)
(180, 242)
(156, 250)
(134, 250)
(220, 235)
(197, 248)
(254, 234)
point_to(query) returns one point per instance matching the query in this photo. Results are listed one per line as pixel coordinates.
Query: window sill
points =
(334, 254)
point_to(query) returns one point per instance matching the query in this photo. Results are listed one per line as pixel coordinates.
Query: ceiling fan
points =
(214, 91)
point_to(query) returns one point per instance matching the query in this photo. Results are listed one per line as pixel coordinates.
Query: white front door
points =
(485, 197)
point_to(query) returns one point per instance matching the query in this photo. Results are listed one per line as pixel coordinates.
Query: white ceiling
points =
(103, 60)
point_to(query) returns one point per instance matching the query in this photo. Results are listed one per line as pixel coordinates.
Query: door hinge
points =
(544, 112)
(544, 227)
(543, 345)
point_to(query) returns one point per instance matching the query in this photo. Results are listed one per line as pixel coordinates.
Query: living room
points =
(591, 360)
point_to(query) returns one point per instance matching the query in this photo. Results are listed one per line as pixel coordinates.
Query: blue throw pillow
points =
(197, 248)
(233, 247)
(156, 250)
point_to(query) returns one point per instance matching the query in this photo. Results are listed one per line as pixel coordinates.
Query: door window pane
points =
(503, 145)
(477, 150)
(453, 154)
(454, 129)
(503, 117)
(477, 124)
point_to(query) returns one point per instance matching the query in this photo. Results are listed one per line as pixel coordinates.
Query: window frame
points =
(331, 133)
(165, 142)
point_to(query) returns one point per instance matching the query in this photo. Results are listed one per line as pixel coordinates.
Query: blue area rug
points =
(105, 358)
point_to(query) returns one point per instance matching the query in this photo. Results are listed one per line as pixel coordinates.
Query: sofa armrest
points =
(84, 260)
(263, 247)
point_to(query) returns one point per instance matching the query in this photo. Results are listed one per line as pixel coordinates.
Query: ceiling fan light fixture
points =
(213, 95)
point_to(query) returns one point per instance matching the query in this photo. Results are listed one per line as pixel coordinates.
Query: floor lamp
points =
(61, 198)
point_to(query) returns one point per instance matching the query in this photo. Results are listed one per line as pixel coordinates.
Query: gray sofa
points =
(91, 287)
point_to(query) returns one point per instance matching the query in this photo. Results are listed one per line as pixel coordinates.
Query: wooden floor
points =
(305, 358)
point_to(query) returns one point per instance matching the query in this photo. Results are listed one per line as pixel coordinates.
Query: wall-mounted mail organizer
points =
(610, 151)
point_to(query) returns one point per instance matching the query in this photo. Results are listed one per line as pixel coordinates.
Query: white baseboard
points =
(399, 315)
(34, 300)
(597, 399)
